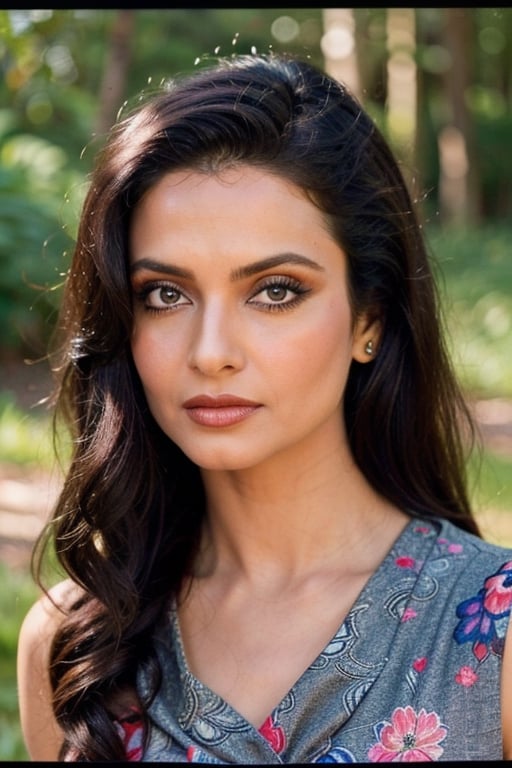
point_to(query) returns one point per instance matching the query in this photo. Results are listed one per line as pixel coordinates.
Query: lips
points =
(220, 410)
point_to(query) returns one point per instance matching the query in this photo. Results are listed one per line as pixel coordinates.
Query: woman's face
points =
(243, 335)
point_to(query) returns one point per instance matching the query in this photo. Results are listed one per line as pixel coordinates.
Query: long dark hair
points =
(126, 526)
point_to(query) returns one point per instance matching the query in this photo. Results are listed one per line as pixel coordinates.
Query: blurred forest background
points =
(438, 82)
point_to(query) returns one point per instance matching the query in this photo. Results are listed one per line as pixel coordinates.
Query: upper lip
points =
(217, 401)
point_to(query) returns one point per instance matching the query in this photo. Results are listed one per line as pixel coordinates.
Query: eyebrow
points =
(159, 266)
(274, 261)
(239, 273)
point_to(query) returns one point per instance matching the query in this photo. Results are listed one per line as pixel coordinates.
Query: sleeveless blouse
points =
(412, 674)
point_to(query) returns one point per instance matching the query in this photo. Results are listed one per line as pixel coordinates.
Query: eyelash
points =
(286, 283)
(148, 288)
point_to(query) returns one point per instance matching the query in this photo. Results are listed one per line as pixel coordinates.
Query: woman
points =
(269, 547)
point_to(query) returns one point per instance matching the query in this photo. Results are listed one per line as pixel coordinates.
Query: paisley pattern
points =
(207, 717)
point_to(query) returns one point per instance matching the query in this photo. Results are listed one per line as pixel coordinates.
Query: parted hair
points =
(126, 526)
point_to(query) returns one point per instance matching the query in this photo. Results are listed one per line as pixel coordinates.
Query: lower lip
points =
(225, 416)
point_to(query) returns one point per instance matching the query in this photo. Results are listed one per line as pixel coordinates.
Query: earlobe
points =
(366, 340)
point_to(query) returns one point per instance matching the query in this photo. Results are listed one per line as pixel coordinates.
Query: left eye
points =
(165, 296)
(279, 292)
(162, 297)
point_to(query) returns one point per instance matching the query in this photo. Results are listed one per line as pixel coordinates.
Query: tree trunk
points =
(116, 69)
(460, 176)
(402, 95)
(338, 48)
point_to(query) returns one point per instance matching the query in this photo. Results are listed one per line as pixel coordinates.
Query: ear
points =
(366, 337)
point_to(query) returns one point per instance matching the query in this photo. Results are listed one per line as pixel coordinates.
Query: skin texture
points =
(41, 733)
(283, 337)
(226, 335)
(293, 530)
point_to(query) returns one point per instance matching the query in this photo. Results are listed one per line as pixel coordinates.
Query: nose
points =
(215, 344)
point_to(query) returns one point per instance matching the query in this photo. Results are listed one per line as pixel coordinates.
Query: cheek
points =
(318, 355)
(139, 352)
(150, 358)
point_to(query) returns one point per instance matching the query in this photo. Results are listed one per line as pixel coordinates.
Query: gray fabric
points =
(413, 672)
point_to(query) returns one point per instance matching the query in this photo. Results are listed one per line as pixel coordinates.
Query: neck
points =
(291, 518)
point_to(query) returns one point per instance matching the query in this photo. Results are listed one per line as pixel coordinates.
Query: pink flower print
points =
(405, 562)
(196, 755)
(420, 664)
(131, 732)
(274, 734)
(479, 615)
(466, 677)
(409, 737)
(450, 547)
(498, 597)
(422, 529)
(409, 614)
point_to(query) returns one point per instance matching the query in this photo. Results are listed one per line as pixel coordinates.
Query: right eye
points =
(162, 296)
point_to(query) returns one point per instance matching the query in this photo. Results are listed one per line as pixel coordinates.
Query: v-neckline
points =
(343, 631)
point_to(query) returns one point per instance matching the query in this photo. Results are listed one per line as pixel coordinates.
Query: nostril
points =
(212, 359)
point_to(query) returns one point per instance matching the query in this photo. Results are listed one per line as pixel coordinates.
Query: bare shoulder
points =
(40, 731)
(43, 619)
(506, 695)
(47, 613)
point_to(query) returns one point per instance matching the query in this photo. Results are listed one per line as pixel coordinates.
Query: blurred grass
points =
(490, 481)
(475, 280)
(477, 291)
(25, 437)
(25, 441)
(476, 286)
(494, 486)
(17, 593)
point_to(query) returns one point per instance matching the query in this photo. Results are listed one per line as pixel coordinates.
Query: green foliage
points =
(54, 63)
(492, 484)
(25, 439)
(51, 93)
(201, 34)
(494, 132)
(476, 271)
(17, 593)
(33, 237)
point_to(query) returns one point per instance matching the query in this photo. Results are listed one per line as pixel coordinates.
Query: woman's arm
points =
(506, 695)
(41, 733)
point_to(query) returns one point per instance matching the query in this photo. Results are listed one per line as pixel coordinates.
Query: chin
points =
(221, 458)
(219, 463)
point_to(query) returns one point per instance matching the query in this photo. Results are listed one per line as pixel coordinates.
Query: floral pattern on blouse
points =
(337, 755)
(409, 737)
(274, 734)
(131, 732)
(414, 728)
(480, 616)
